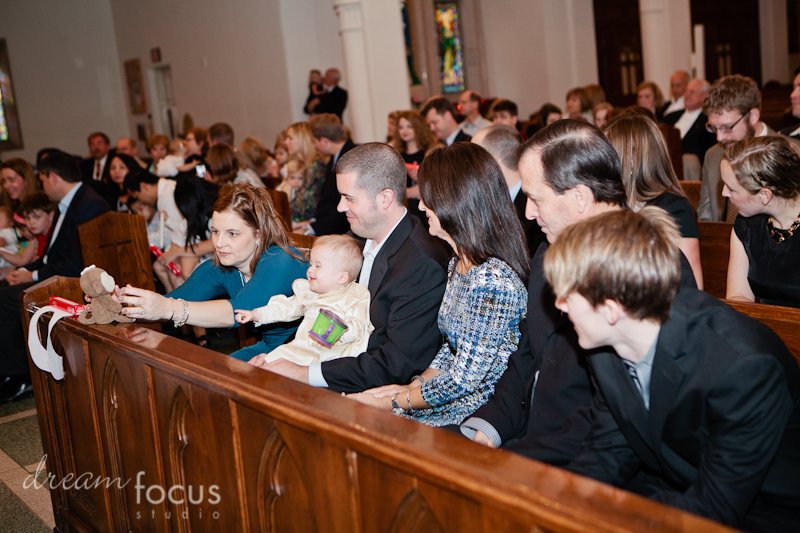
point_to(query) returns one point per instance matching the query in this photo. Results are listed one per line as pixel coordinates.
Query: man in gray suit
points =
(733, 107)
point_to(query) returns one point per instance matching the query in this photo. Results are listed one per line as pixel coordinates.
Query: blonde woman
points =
(300, 143)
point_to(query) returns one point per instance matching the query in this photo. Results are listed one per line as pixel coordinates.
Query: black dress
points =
(774, 275)
(681, 210)
(413, 203)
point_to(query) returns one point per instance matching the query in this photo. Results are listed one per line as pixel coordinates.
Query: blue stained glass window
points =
(451, 65)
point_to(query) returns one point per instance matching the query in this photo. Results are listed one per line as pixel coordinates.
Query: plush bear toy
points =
(96, 283)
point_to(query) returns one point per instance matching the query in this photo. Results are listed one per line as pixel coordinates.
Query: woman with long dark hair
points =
(18, 180)
(466, 200)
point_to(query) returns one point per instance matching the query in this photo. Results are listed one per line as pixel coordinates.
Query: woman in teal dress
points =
(253, 261)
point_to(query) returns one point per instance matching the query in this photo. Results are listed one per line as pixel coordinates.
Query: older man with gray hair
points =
(502, 143)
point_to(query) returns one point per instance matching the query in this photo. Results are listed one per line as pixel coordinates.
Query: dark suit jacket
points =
(462, 137)
(698, 139)
(406, 288)
(541, 404)
(332, 102)
(87, 167)
(722, 391)
(329, 220)
(64, 254)
(790, 129)
(533, 233)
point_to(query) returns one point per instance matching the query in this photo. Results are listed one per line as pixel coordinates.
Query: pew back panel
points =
(715, 251)
(785, 321)
(272, 454)
(117, 243)
(280, 200)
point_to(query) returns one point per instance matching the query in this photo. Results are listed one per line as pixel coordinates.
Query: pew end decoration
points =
(97, 284)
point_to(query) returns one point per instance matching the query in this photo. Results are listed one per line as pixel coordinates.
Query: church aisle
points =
(22, 510)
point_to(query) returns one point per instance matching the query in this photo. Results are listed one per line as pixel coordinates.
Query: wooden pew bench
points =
(272, 454)
(715, 250)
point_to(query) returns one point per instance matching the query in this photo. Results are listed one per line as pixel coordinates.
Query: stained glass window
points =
(451, 65)
(3, 125)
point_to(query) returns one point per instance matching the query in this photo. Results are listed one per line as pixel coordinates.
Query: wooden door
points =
(619, 49)
(733, 43)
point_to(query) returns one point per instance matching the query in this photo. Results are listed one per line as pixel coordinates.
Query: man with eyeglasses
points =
(733, 107)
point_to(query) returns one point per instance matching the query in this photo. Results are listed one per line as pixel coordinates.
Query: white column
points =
(351, 30)
(666, 27)
(774, 36)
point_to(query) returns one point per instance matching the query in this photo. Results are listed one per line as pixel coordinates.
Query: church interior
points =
(285, 456)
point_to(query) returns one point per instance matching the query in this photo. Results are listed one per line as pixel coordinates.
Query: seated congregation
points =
(540, 296)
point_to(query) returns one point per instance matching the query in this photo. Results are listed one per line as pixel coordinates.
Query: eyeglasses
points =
(724, 129)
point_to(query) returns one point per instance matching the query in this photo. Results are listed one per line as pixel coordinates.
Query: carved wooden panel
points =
(78, 437)
(127, 432)
(199, 457)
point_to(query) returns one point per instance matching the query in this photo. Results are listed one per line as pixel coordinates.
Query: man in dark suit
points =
(698, 406)
(570, 172)
(438, 113)
(334, 99)
(794, 130)
(403, 269)
(331, 140)
(98, 166)
(502, 142)
(691, 121)
(77, 203)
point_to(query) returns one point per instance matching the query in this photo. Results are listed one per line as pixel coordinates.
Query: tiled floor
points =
(24, 505)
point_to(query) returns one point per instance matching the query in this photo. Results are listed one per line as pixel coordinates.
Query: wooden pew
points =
(715, 250)
(785, 321)
(275, 455)
(117, 243)
(692, 191)
(280, 200)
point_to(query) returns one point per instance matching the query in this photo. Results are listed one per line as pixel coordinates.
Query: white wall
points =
(774, 35)
(537, 50)
(311, 39)
(67, 79)
(226, 58)
(666, 28)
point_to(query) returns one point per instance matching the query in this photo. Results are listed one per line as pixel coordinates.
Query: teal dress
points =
(275, 272)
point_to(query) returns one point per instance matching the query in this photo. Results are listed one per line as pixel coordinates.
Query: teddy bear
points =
(96, 283)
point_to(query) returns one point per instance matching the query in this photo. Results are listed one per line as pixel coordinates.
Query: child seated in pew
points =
(159, 234)
(23, 240)
(333, 267)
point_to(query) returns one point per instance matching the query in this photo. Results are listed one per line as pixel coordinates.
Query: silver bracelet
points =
(408, 399)
(420, 379)
(184, 314)
(396, 409)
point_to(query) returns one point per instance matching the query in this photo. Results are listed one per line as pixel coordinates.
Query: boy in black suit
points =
(698, 406)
